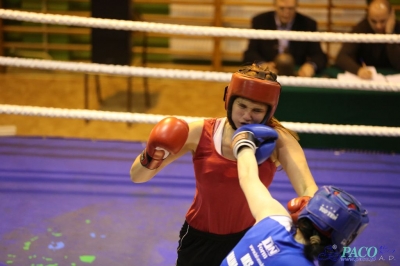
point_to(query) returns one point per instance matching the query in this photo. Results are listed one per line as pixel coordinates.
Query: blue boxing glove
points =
(260, 138)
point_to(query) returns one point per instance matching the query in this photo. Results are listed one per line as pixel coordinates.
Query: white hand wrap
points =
(241, 139)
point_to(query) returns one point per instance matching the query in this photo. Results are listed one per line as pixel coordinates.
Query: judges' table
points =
(342, 106)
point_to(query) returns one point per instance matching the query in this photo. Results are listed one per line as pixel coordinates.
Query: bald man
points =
(354, 57)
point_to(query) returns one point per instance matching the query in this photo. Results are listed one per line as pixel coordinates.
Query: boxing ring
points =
(67, 201)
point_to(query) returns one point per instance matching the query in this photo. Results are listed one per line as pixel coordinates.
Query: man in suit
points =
(354, 57)
(307, 55)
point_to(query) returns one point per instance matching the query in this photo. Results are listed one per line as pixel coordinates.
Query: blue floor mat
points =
(71, 202)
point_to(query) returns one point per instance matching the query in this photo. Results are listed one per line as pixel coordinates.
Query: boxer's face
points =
(245, 112)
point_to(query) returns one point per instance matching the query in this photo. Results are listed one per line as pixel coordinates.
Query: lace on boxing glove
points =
(153, 162)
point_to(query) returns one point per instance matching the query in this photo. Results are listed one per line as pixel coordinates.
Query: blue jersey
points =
(268, 243)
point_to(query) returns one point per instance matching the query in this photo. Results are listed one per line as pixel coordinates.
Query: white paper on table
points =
(393, 78)
(349, 76)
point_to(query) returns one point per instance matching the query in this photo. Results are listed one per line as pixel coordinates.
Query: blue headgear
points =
(336, 213)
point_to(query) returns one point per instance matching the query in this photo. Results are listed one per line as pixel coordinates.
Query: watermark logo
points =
(329, 253)
(372, 253)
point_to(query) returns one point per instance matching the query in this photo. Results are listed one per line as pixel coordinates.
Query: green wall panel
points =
(151, 8)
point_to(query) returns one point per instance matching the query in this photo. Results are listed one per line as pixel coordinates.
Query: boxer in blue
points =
(331, 218)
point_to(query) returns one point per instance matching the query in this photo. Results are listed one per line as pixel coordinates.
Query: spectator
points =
(354, 57)
(307, 55)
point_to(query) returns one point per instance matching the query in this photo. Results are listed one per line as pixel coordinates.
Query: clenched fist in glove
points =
(168, 136)
(296, 205)
(260, 138)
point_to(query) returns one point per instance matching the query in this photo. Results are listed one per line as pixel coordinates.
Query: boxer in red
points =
(219, 215)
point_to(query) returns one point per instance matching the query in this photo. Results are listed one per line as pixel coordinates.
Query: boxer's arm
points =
(141, 174)
(291, 156)
(260, 201)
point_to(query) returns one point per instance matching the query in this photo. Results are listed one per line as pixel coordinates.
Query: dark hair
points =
(257, 71)
(315, 241)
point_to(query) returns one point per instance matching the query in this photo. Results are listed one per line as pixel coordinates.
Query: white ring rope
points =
(312, 128)
(196, 30)
(191, 74)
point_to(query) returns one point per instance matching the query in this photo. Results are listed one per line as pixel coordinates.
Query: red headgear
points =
(256, 88)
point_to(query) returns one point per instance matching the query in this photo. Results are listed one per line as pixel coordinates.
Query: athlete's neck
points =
(226, 141)
(299, 237)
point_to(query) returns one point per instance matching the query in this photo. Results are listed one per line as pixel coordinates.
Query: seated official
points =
(308, 56)
(355, 57)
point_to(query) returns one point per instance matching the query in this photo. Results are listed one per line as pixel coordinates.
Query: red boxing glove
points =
(168, 136)
(296, 205)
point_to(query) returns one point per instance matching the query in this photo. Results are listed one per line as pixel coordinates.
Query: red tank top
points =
(219, 205)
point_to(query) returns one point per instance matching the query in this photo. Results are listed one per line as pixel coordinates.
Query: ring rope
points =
(196, 30)
(313, 128)
(191, 74)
